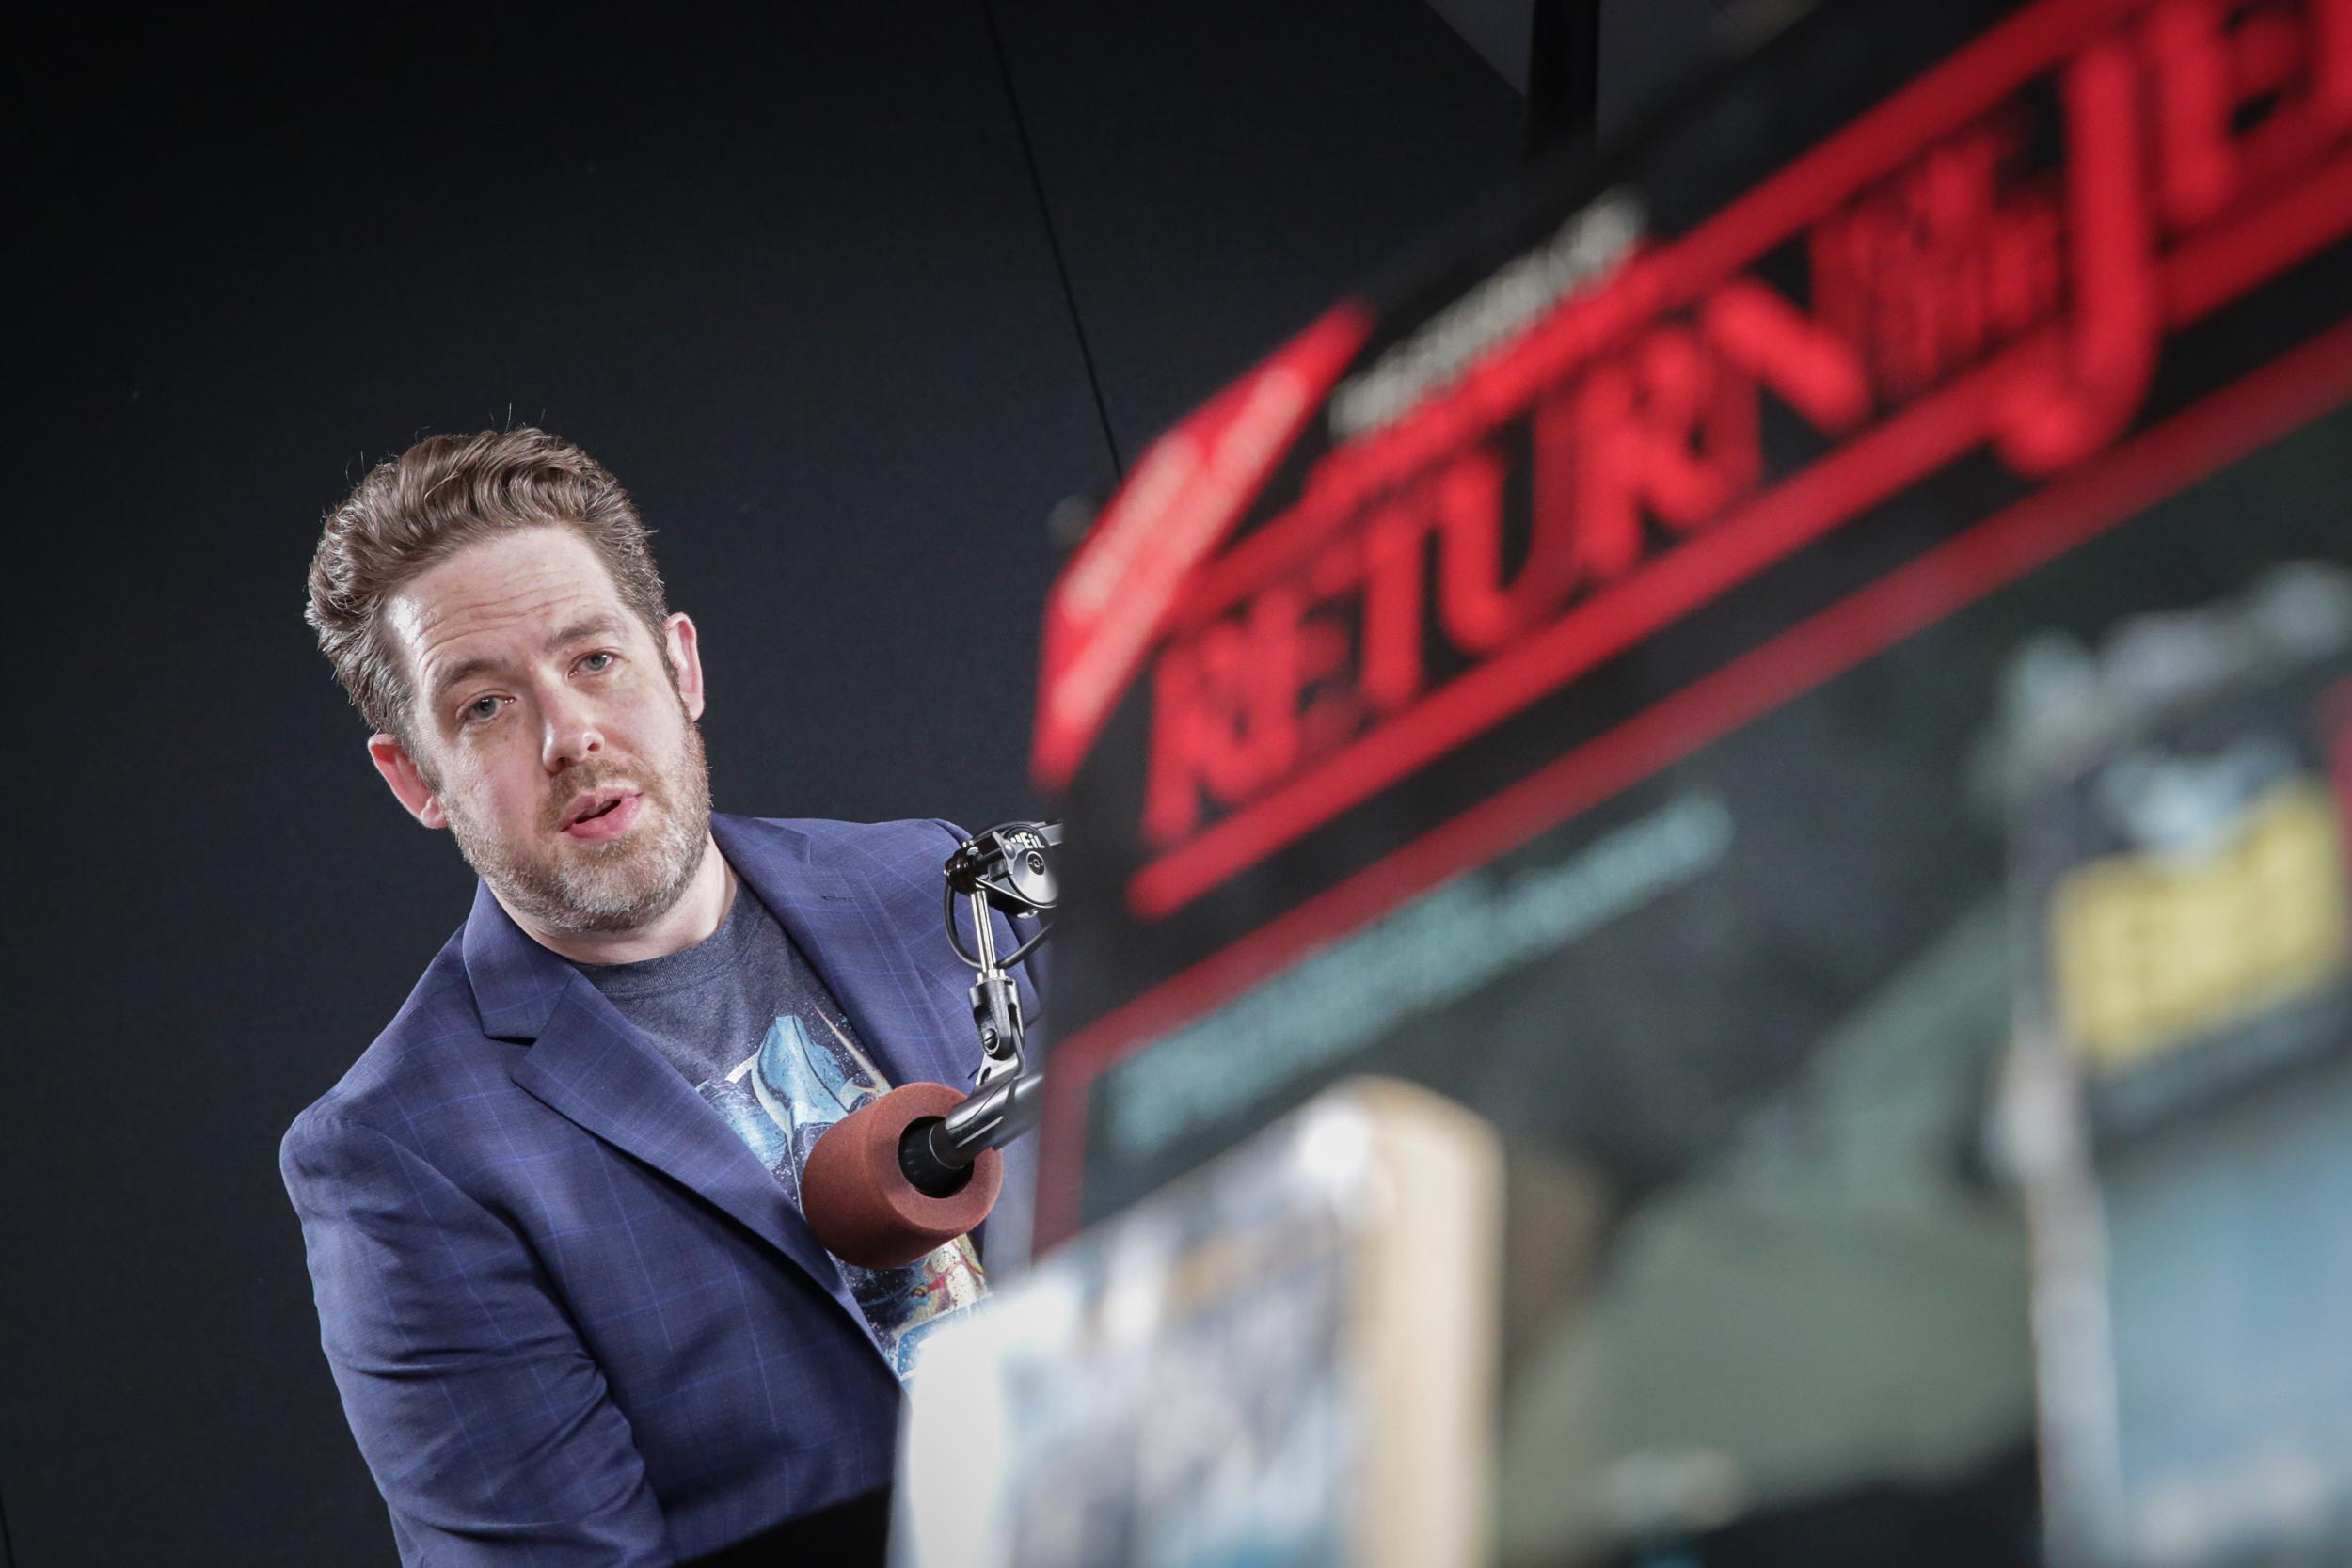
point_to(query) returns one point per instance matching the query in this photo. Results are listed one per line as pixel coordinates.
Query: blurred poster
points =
(1582, 676)
(1264, 1363)
(2182, 1088)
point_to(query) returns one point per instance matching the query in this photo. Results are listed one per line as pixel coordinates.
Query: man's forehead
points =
(501, 597)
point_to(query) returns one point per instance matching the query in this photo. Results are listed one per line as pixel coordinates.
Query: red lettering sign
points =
(1956, 297)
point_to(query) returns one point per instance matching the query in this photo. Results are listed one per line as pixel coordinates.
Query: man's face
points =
(551, 733)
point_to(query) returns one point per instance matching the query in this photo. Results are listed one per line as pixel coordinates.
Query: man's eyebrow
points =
(464, 670)
(599, 624)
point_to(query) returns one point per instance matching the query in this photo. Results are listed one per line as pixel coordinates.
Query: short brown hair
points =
(430, 502)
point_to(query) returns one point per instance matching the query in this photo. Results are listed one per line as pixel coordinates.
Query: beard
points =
(575, 888)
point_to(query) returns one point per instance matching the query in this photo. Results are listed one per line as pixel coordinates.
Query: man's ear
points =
(400, 770)
(685, 655)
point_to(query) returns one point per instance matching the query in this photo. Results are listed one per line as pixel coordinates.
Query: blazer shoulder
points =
(915, 846)
(830, 836)
(432, 1050)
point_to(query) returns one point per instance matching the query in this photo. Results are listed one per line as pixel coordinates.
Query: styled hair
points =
(445, 493)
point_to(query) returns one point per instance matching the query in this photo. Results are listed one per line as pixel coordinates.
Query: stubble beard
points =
(575, 888)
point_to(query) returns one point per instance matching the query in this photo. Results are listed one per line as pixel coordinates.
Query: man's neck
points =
(692, 919)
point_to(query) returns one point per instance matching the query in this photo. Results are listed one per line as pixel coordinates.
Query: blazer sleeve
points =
(484, 1420)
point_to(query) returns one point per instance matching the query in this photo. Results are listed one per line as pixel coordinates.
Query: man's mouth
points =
(602, 813)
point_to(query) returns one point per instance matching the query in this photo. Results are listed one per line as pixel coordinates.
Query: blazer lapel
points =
(588, 1064)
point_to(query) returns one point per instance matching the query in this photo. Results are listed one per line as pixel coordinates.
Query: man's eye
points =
(483, 707)
(596, 663)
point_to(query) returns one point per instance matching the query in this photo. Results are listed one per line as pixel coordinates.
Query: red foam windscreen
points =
(861, 1205)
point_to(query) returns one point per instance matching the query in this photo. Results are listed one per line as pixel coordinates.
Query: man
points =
(551, 1213)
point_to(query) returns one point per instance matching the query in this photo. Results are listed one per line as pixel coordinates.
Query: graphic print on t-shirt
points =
(779, 1099)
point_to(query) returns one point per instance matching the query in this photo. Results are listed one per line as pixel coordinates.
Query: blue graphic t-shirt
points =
(754, 1028)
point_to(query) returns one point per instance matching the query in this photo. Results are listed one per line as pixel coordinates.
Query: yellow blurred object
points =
(2153, 950)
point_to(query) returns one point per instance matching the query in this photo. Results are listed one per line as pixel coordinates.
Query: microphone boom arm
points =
(1006, 869)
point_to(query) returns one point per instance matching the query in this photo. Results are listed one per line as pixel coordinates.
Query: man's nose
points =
(571, 734)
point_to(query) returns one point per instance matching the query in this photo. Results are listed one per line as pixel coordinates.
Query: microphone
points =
(919, 1167)
(865, 1204)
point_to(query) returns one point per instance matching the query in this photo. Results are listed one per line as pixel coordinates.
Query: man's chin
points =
(609, 900)
(603, 889)
(594, 911)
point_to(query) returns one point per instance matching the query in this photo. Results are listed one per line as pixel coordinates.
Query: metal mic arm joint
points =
(1007, 870)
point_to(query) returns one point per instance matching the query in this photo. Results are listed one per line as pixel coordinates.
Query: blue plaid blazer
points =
(572, 1318)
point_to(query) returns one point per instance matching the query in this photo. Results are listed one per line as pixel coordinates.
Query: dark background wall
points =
(796, 285)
